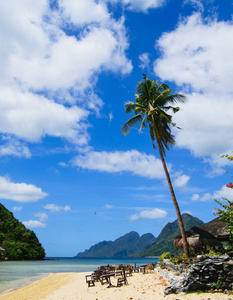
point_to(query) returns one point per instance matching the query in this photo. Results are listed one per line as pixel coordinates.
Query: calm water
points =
(16, 274)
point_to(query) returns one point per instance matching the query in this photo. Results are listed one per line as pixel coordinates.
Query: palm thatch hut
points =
(216, 228)
(196, 238)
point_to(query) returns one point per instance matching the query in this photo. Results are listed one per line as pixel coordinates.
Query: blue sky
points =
(67, 68)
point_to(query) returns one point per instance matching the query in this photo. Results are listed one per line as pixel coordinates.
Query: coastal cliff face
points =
(164, 242)
(17, 242)
(131, 244)
(127, 245)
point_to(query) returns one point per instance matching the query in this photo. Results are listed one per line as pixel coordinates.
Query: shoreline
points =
(58, 286)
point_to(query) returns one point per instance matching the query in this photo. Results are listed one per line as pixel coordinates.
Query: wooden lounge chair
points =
(122, 280)
(90, 281)
(129, 271)
(104, 279)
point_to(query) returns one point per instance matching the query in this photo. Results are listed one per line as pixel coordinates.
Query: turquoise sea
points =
(16, 274)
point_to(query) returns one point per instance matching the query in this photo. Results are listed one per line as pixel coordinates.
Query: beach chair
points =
(104, 279)
(129, 271)
(90, 281)
(122, 280)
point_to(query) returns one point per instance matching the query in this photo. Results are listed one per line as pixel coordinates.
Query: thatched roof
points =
(196, 238)
(216, 228)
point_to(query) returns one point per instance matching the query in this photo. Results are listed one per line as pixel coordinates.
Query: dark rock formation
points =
(208, 272)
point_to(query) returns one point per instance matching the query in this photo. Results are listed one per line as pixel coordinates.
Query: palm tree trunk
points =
(180, 221)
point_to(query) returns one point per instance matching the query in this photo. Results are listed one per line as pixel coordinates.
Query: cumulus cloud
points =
(223, 192)
(181, 181)
(113, 162)
(205, 124)
(56, 208)
(197, 57)
(20, 192)
(45, 117)
(47, 75)
(155, 213)
(12, 147)
(84, 12)
(34, 224)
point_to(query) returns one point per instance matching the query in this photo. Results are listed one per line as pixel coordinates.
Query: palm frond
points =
(174, 109)
(143, 124)
(132, 122)
(129, 107)
(176, 98)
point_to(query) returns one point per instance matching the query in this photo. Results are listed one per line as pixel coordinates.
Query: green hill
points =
(19, 243)
(127, 245)
(164, 242)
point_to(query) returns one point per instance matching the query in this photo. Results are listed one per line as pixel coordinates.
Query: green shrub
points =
(166, 255)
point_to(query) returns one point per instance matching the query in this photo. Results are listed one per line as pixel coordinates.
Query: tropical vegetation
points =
(18, 242)
(153, 103)
(226, 211)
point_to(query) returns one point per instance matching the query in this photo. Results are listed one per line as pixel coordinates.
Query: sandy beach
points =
(73, 286)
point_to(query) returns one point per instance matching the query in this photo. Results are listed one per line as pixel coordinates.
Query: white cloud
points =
(113, 162)
(195, 197)
(34, 224)
(200, 50)
(196, 3)
(41, 216)
(181, 181)
(84, 12)
(140, 5)
(42, 56)
(17, 208)
(20, 192)
(223, 192)
(145, 60)
(110, 115)
(72, 61)
(197, 56)
(31, 117)
(218, 164)
(56, 208)
(155, 213)
(14, 148)
(38, 58)
(205, 123)
(108, 206)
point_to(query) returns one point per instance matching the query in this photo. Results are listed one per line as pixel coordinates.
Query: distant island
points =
(125, 246)
(131, 244)
(16, 241)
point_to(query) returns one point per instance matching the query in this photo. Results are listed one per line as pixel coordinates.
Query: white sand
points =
(71, 286)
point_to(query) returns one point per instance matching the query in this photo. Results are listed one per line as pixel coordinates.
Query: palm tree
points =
(153, 102)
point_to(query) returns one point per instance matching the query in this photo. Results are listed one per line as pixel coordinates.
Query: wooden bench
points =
(90, 281)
